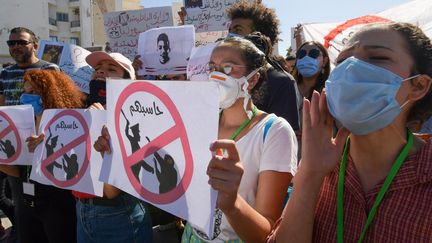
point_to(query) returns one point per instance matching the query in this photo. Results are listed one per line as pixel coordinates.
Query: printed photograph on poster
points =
(71, 60)
(16, 125)
(166, 50)
(193, 3)
(154, 131)
(52, 53)
(66, 157)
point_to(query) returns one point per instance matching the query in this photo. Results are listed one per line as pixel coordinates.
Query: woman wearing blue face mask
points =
(312, 68)
(251, 190)
(373, 181)
(45, 213)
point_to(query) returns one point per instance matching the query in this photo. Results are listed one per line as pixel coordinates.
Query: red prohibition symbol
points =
(83, 139)
(178, 131)
(11, 128)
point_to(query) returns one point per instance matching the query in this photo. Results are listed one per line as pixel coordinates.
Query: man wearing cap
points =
(117, 216)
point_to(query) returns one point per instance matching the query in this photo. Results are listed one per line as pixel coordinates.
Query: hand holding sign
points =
(225, 173)
(102, 144)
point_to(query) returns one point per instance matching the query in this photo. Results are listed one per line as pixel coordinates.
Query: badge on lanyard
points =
(28, 188)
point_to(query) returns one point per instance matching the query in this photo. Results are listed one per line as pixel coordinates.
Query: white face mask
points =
(231, 89)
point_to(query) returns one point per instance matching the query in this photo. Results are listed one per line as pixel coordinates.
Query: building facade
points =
(78, 22)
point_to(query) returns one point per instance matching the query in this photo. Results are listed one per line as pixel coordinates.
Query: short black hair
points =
(264, 19)
(17, 30)
(163, 37)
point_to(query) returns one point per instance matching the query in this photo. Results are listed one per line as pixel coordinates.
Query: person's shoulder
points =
(279, 77)
(42, 64)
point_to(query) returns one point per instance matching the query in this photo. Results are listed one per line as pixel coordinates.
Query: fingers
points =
(96, 106)
(102, 143)
(34, 141)
(306, 114)
(340, 138)
(228, 146)
(314, 109)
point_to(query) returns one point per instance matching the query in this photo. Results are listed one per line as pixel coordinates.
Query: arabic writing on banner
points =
(208, 15)
(159, 150)
(66, 157)
(123, 28)
(204, 38)
(70, 58)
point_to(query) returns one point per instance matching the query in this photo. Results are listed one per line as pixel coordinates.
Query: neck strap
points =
(244, 124)
(340, 188)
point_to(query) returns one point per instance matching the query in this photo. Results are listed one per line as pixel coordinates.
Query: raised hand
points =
(320, 151)
(225, 173)
(102, 144)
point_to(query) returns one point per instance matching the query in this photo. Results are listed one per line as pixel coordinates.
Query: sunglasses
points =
(225, 67)
(18, 42)
(314, 53)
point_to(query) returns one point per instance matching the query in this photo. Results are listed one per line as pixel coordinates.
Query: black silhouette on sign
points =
(134, 141)
(7, 148)
(163, 48)
(50, 145)
(70, 165)
(167, 175)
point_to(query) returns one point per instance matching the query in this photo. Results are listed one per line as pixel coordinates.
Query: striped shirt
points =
(11, 80)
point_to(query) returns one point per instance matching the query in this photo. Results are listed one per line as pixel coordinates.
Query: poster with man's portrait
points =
(166, 50)
(52, 53)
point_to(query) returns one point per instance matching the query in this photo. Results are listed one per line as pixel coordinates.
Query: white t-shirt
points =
(277, 153)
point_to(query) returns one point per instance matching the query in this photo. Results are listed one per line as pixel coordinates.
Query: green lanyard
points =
(340, 188)
(244, 124)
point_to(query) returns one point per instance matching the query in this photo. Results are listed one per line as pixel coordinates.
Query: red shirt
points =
(404, 215)
(78, 194)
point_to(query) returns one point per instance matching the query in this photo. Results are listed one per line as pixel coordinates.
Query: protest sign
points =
(16, 125)
(208, 15)
(203, 38)
(166, 50)
(161, 132)
(66, 158)
(123, 28)
(70, 58)
(197, 65)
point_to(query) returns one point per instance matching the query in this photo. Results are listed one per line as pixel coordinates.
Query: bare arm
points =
(10, 170)
(110, 191)
(2, 100)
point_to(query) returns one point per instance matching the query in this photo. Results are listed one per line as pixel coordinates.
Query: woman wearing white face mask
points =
(251, 190)
(375, 186)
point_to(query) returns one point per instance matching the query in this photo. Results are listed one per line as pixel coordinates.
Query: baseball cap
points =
(95, 57)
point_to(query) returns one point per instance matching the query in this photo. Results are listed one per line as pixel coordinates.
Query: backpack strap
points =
(267, 126)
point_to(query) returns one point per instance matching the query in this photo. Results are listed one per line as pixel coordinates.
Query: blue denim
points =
(129, 222)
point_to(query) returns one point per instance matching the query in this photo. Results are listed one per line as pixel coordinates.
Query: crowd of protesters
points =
(311, 154)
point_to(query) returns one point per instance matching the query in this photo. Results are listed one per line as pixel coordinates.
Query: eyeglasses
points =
(314, 53)
(225, 67)
(18, 42)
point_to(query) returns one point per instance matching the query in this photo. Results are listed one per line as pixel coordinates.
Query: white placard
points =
(166, 50)
(16, 125)
(161, 132)
(208, 15)
(200, 57)
(204, 38)
(66, 158)
(123, 28)
(70, 58)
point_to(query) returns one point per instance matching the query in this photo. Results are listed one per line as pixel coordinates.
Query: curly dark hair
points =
(264, 19)
(57, 89)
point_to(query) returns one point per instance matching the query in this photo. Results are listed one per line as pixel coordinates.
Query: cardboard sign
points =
(208, 15)
(16, 125)
(161, 132)
(66, 157)
(166, 50)
(123, 28)
(70, 58)
(200, 57)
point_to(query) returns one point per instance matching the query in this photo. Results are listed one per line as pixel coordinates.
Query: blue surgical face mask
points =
(362, 96)
(34, 100)
(308, 66)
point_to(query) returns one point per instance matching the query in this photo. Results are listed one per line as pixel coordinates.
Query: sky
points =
(291, 13)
